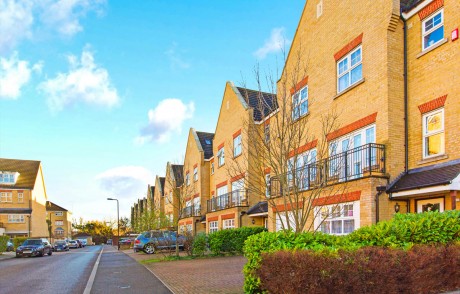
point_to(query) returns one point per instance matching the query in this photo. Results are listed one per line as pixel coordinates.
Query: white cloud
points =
(175, 58)
(14, 74)
(85, 81)
(16, 19)
(166, 119)
(24, 19)
(125, 181)
(273, 45)
(64, 15)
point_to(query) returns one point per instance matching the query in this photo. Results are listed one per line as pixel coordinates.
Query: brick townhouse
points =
(60, 220)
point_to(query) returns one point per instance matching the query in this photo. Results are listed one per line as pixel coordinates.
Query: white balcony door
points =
(237, 191)
(222, 201)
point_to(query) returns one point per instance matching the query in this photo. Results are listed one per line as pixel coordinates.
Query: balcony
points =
(189, 211)
(364, 161)
(233, 199)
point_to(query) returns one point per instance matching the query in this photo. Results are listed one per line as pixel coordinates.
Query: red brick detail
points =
(227, 216)
(352, 127)
(6, 190)
(433, 104)
(212, 192)
(220, 185)
(347, 48)
(303, 148)
(212, 160)
(195, 165)
(213, 219)
(267, 121)
(236, 178)
(237, 134)
(196, 195)
(432, 7)
(348, 197)
(189, 222)
(181, 224)
(188, 198)
(187, 172)
(299, 85)
(267, 170)
(288, 206)
(221, 146)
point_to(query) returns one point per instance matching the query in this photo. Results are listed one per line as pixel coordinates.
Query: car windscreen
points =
(73, 242)
(157, 234)
(32, 242)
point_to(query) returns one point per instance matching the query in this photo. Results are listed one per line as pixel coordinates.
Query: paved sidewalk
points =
(197, 276)
(7, 255)
(117, 273)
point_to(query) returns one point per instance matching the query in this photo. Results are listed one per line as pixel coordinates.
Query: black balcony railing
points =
(193, 210)
(364, 161)
(233, 199)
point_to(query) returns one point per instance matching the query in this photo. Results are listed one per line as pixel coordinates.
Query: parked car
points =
(34, 247)
(80, 245)
(109, 242)
(125, 241)
(73, 244)
(151, 241)
(83, 242)
(9, 246)
(61, 246)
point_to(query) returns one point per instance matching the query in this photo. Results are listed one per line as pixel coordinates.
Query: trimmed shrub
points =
(367, 270)
(17, 241)
(403, 231)
(3, 243)
(199, 244)
(231, 240)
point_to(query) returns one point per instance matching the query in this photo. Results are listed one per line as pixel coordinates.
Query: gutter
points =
(406, 116)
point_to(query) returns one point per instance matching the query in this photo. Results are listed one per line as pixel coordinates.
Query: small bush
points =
(199, 244)
(423, 269)
(188, 243)
(231, 240)
(3, 243)
(17, 241)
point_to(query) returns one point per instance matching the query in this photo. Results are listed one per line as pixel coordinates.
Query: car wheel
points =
(42, 253)
(149, 249)
(50, 253)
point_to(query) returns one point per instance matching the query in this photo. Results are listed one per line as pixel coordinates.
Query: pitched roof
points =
(407, 5)
(27, 169)
(178, 172)
(263, 103)
(261, 207)
(206, 143)
(428, 176)
(50, 206)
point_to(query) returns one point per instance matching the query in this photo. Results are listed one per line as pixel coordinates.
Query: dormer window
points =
(207, 141)
(8, 177)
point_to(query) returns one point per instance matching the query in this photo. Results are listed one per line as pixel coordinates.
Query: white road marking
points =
(89, 285)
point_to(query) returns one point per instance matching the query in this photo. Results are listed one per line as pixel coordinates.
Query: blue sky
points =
(104, 92)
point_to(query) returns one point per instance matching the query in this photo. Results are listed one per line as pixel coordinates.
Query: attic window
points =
(8, 177)
(207, 141)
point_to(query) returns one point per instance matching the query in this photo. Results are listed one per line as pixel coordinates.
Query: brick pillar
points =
(453, 198)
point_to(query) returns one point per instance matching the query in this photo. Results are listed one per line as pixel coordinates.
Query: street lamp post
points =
(118, 220)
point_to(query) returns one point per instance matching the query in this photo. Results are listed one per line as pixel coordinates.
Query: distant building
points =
(60, 221)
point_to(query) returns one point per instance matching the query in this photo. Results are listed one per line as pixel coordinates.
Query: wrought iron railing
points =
(233, 199)
(193, 210)
(364, 161)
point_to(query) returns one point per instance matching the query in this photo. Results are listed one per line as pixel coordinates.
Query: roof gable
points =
(263, 103)
(205, 140)
(27, 169)
(50, 206)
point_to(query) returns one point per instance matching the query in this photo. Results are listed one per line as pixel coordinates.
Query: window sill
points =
(433, 159)
(219, 166)
(349, 88)
(429, 49)
(234, 157)
(302, 116)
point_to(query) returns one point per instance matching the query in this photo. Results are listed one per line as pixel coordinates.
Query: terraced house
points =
(195, 189)
(231, 175)
(174, 197)
(60, 221)
(22, 198)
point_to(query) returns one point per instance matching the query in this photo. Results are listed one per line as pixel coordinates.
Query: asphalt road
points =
(62, 272)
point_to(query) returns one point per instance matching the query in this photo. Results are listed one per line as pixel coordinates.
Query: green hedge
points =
(3, 243)
(17, 241)
(403, 231)
(231, 240)
(199, 244)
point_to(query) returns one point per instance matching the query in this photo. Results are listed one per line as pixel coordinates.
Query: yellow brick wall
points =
(158, 197)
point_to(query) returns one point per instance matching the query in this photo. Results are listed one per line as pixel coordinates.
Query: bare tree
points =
(284, 144)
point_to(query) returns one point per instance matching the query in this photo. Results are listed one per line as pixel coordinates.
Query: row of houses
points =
(25, 210)
(363, 123)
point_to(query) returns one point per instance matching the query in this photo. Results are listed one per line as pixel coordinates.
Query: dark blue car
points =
(34, 247)
(151, 241)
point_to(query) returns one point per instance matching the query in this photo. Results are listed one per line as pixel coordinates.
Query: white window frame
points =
(323, 222)
(20, 197)
(237, 146)
(59, 232)
(59, 213)
(267, 133)
(187, 179)
(8, 177)
(16, 218)
(59, 223)
(426, 134)
(426, 33)
(302, 160)
(281, 220)
(212, 168)
(267, 185)
(213, 226)
(221, 157)
(298, 103)
(228, 223)
(349, 69)
(195, 174)
(6, 197)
